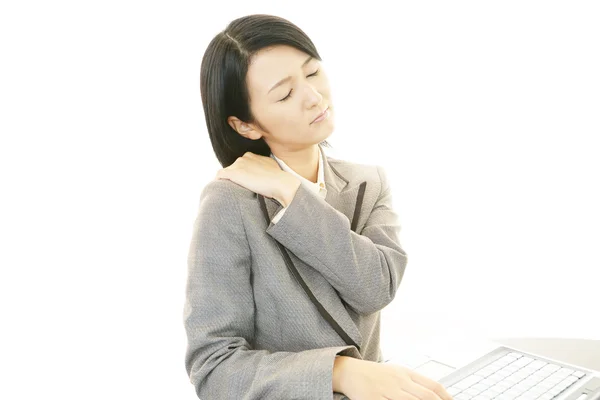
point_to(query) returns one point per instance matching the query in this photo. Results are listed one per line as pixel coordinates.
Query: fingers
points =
(437, 388)
(406, 395)
(420, 392)
(402, 395)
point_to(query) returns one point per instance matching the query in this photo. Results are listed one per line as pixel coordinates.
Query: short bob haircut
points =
(223, 86)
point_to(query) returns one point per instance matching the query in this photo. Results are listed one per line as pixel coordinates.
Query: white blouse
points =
(317, 187)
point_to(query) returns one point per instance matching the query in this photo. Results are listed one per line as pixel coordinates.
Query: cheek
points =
(286, 119)
(324, 84)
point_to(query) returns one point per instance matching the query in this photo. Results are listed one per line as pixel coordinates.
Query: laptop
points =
(490, 371)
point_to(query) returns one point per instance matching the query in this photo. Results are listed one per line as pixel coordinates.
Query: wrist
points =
(288, 189)
(341, 372)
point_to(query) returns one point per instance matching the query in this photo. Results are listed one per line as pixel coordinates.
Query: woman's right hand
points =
(368, 380)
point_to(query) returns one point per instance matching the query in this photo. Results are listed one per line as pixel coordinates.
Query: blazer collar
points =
(333, 178)
(341, 195)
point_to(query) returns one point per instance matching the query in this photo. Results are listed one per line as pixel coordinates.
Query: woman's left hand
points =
(261, 175)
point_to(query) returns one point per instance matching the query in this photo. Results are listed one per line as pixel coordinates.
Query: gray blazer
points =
(252, 331)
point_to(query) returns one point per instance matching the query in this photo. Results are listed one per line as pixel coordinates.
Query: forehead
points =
(272, 64)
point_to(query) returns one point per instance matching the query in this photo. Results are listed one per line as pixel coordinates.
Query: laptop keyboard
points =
(516, 377)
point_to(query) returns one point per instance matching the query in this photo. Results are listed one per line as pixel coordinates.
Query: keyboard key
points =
(521, 374)
(472, 391)
(453, 390)
(496, 365)
(530, 369)
(535, 379)
(552, 367)
(523, 361)
(548, 383)
(485, 372)
(554, 378)
(504, 385)
(495, 378)
(503, 373)
(468, 381)
(505, 360)
(579, 374)
(527, 395)
(511, 368)
(562, 386)
(544, 373)
(554, 383)
(522, 386)
(513, 392)
(537, 391)
(566, 383)
(489, 393)
(537, 364)
(564, 372)
(487, 382)
(571, 379)
(480, 386)
(513, 379)
(463, 396)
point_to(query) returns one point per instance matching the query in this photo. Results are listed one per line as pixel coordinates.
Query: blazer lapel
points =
(347, 199)
(273, 207)
(340, 195)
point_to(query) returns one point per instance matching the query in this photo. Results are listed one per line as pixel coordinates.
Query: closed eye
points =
(289, 94)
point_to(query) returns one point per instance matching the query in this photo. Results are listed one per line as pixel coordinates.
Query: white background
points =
(484, 114)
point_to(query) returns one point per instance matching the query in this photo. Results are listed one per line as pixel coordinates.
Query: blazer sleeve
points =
(219, 318)
(365, 268)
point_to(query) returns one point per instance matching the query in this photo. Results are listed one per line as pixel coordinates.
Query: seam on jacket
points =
(250, 267)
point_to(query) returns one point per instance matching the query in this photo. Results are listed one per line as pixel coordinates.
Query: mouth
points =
(321, 116)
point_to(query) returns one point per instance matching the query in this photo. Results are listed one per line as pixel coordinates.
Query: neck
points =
(304, 162)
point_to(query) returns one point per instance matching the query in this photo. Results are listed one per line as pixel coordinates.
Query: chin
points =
(326, 133)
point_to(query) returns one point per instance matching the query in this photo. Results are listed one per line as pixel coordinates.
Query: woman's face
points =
(288, 90)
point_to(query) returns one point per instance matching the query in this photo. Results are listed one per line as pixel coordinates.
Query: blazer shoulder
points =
(222, 197)
(225, 189)
(220, 214)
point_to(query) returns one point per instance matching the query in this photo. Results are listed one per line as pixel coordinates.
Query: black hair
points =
(223, 85)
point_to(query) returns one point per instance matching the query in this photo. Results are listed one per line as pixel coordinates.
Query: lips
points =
(320, 115)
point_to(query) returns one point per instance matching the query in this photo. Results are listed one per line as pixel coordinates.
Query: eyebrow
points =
(289, 77)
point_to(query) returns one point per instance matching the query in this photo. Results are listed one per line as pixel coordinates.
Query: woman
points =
(293, 253)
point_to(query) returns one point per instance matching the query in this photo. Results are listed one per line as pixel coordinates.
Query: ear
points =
(246, 130)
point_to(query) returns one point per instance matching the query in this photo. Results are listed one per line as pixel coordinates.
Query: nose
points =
(313, 96)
